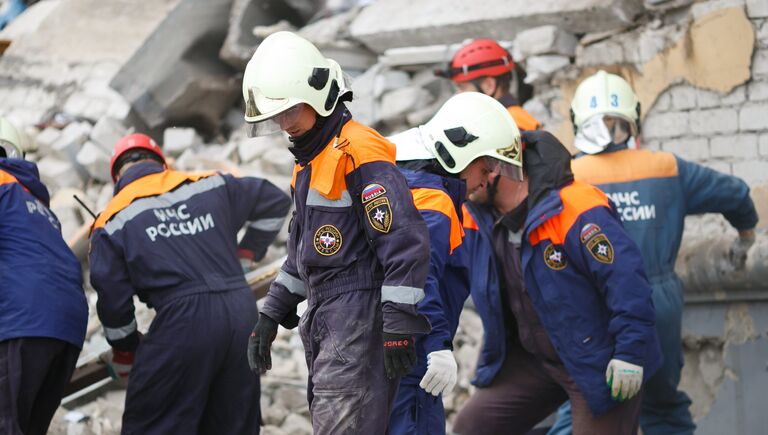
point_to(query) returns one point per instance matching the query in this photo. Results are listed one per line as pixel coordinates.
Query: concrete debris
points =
(45, 139)
(544, 40)
(540, 68)
(277, 161)
(176, 140)
(106, 132)
(95, 160)
(399, 102)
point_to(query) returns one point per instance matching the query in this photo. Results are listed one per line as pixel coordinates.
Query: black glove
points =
(260, 344)
(290, 321)
(399, 354)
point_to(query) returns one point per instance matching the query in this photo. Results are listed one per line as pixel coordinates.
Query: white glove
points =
(624, 379)
(442, 373)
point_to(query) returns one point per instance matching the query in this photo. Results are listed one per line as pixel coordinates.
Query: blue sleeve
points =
(621, 281)
(261, 206)
(709, 191)
(110, 279)
(439, 227)
(287, 290)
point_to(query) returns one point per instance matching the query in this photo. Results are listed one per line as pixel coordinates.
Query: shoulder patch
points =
(379, 214)
(327, 240)
(588, 231)
(554, 257)
(371, 192)
(600, 248)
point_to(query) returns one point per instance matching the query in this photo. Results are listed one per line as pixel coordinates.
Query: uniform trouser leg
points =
(665, 407)
(33, 375)
(416, 412)
(521, 395)
(348, 390)
(191, 373)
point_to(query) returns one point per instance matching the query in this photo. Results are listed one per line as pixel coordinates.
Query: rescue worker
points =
(358, 250)
(438, 192)
(574, 290)
(170, 237)
(653, 192)
(43, 311)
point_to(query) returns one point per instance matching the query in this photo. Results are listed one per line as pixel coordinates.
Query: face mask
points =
(593, 135)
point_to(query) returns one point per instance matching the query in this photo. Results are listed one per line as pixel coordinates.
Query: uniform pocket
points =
(329, 237)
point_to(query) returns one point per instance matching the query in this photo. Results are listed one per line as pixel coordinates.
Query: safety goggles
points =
(502, 168)
(9, 150)
(279, 122)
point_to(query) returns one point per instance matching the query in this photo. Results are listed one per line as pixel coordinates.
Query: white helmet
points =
(601, 95)
(11, 141)
(287, 70)
(472, 125)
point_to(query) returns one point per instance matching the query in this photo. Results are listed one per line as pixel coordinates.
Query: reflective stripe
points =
(161, 201)
(121, 332)
(293, 284)
(316, 198)
(268, 224)
(401, 294)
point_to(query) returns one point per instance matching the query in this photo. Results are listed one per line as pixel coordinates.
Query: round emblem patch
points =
(327, 240)
(554, 257)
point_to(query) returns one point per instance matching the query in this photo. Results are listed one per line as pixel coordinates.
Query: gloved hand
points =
(739, 248)
(399, 354)
(442, 373)
(119, 363)
(624, 379)
(260, 344)
(246, 259)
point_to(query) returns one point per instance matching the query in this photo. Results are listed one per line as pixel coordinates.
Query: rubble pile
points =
(172, 69)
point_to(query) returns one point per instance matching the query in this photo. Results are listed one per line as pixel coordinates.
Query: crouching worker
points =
(171, 238)
(358, 250)
(573, 282)
(43, 312)
(432, 158)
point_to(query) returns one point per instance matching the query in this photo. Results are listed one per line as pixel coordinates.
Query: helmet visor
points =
(10, 150)
(281, 121)
(504, 169)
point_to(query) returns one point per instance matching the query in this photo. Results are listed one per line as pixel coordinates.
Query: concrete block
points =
(716, 121)
(689, 149)
(539, 68)
(683, 97)
(396, 104)
(389, 80)
(29, 21)
(46, 138)
(107, 132)
(757, 90)
(737, 96)
(753, 117)
(757, 8)
(760, 62)
(72, 137)
(544, 40)
(707, 99)
(663, 103)
(605, 52)
(723, 167)
(671, 124)
(58, 173)
(176, 140)
(753, 171)
(95, 160)
(191, 84)
(762, 33)
(701, 9)
(76, 104)
(297, 425)
(763, 144)
(737, 145)
(252, 149)
(410, 23)
(278, 161)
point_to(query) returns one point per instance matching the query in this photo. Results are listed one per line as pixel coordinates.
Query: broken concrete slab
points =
(757, 8)
(253, 148)
(331, 36)
(190, 85)
(107, 132)
(544, 40)
(57, 173)
(176, 140)
(412, 23)
(541, 67)
(396, 104)
(278, 161)
(29, 21)
(46, 138)
(95, 160)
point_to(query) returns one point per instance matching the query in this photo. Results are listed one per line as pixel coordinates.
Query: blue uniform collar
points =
(137, 171)
(544, 210)
(27, 174)
(454, 187)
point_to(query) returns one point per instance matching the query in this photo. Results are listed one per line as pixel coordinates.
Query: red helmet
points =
(133, 142)
(479, 58)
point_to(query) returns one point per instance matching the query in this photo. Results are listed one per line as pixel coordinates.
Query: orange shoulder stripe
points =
(576, 198)
(6, 178)
(624, 166)
(439, 201)
(469, 221)
(151, 185)
(523, 119)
